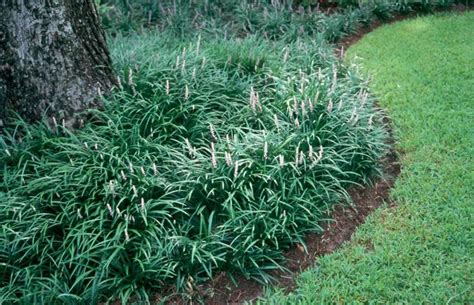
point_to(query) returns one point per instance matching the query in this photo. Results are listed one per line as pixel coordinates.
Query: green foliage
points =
(216, 155)
(276, 19)
(217, 152)
(421, 250)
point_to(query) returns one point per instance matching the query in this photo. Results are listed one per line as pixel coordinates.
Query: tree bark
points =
(54, 59)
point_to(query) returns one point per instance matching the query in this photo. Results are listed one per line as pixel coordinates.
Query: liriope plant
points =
(209, 156)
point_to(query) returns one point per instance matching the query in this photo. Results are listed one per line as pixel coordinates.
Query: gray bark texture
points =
(54, 59)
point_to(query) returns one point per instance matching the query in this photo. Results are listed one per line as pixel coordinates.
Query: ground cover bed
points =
(217, 151)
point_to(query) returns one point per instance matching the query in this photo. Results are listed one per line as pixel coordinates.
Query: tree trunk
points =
(54, 59)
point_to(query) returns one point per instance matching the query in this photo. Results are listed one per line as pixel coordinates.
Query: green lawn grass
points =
(423, 74)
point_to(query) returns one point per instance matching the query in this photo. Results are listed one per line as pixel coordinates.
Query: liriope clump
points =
(212, 157)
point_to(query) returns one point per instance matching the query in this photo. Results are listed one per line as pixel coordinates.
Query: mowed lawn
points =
(422, 71)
